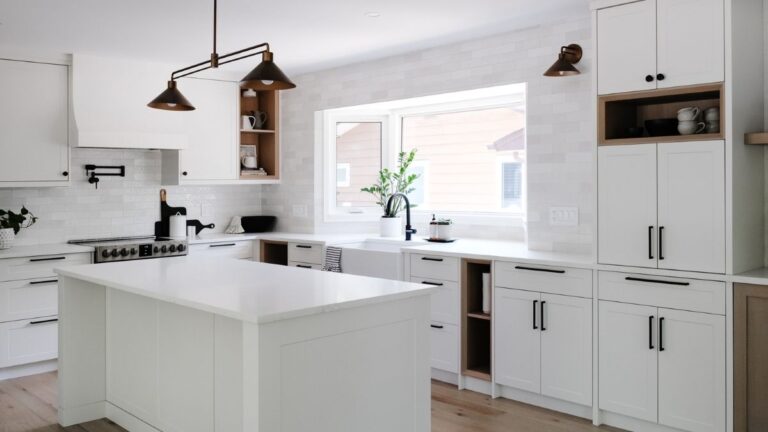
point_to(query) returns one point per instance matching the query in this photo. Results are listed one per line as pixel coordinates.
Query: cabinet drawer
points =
(28, 299)
(435, 267)
(311, 253)
(305, 265)
(444, 350)
(674, 293)
(546, 279)
(445, 302)
(38, 266)
(28, 341)
(239, 250)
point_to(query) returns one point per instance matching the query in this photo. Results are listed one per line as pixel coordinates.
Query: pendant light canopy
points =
(563, 66)
(266, 76)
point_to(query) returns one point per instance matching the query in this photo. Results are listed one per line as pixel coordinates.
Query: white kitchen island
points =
(198, 344)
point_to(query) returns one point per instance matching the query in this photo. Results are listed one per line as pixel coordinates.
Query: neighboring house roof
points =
(511, 141)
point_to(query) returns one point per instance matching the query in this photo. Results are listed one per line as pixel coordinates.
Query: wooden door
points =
(692, 370)
(517, 339)
(627, 205)
(692, 206)
(691, 42)
(750, 358)
(566, 333)
(628, 368)
(626, 48)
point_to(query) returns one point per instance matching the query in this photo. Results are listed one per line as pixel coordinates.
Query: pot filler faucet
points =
(408, 229)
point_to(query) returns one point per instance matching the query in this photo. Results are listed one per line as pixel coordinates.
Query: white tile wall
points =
(121, 206)
(560, 124)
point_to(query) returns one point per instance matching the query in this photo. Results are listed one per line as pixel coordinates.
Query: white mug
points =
(249, 162)
(688, 114)
(691, 127)
(712, 114)
(713, 126)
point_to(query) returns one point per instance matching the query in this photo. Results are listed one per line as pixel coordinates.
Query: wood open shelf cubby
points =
(265, 142)
(476, 325)
(274, 252)
(619, 112)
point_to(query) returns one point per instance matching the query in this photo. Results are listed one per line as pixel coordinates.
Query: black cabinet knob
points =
(660, 77)
(184, 173)
(65, 173)
(648, 78)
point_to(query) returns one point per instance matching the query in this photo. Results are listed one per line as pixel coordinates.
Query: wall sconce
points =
(569, 55)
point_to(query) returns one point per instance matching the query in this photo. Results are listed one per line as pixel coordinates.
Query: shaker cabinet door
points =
(517, 339)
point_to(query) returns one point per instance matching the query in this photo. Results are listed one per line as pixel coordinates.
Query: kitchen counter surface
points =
(244, 290)
(44, 249)
(325, 239)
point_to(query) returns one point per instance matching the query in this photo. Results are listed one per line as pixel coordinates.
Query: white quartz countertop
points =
(325, 239)
(44, 249)
(244, 290)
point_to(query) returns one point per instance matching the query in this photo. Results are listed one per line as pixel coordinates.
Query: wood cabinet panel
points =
(750, 358)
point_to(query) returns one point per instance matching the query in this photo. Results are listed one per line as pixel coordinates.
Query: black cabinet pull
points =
(435, 326)
(65, 173)
(44, 282)
(431, 259)
(184, 173)
(650, 242)
(303, 266)
(534, 315)
(650, 332)
(661, 242)
(222, 245)
(637, 279)
(47, 259)
(43, 321)
(540, 269)
(432, 283)
(660, 77)
(542, 315)
(304, 246)
(649, 78)
(661, 333)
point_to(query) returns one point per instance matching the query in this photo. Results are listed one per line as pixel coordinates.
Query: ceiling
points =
(305, 35)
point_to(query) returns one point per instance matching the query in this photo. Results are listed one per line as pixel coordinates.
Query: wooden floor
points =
(29, 405)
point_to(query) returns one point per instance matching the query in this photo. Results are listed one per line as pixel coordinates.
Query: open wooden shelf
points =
(619, 112)
(257, 131)
(476, 325)
(479, 315)
(756, 138)
(481, 373)
(274, 252)
(264, 142)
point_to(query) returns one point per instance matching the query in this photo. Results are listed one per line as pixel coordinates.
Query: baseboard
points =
(28, 369)
(127, 420)
(632, 424)
(444, 376)
(477, 385)
(545, 402)
(81, 414)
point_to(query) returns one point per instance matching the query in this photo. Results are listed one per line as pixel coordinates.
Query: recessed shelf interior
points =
(274, 252)
(476, 328)
(263, 142)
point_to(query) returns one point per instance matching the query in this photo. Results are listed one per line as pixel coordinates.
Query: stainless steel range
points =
(133, 248)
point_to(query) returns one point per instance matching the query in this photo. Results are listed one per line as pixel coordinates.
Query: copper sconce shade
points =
(266, 76)
(569, 55)
(171, 100)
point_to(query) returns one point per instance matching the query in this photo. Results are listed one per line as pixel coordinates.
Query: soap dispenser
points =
(433, 230)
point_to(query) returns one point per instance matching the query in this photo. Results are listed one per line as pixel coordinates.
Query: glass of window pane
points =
(358, 161)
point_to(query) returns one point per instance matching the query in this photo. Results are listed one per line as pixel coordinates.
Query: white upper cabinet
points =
(34, 119)
(691, 42)
(692, 206)
(653, 44)
(626, 47)
(627, 205)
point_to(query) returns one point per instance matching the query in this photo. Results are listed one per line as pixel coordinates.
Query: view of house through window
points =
(358, 161)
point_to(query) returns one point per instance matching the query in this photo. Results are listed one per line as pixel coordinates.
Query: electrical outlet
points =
(564, 216)
(299, 210)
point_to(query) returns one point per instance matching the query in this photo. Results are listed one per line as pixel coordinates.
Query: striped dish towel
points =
(332, 259)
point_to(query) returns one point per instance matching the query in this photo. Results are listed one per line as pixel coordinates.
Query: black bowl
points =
(257, 224)
(661, 127)
(635, 132)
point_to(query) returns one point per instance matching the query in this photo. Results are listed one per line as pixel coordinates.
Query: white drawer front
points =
(674, 293)
(240, 250)
(444, 351)
(546, 279)
(435, 267)
(311, 253)
(445, 302)
(28, 341)
(305, 265)
(28, 299)
(38, 266)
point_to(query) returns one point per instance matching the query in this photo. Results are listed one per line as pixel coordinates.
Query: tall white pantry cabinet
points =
(676, 214)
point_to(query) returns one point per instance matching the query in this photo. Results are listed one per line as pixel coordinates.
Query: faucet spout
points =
(408, 229)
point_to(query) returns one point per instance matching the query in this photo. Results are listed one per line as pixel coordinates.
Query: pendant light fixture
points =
(265, 76)
(569, 55)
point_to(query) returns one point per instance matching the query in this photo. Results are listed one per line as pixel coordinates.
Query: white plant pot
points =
(7, 237)
(391, 226)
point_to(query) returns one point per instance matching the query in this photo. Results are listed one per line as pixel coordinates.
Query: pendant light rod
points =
(209, 63)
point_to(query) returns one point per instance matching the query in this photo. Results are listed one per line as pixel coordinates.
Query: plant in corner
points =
(390, 182)
(11, 223)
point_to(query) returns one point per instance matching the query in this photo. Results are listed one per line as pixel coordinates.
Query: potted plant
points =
(11, 223)
(389, 182)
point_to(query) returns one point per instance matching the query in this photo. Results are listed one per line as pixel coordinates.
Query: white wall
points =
(560, 124)
(121, 206)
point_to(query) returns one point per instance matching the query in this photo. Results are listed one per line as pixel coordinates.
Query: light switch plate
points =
(564, 216)
(299, 210)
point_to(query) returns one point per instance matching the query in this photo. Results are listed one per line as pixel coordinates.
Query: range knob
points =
(172, 248)
(134, 251)
(157, 249)
(124, 252)
(164, 249)
(105, 253)
(181, 248)
(114, 253)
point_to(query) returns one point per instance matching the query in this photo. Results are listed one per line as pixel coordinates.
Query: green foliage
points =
(390, 182)
(17, 221)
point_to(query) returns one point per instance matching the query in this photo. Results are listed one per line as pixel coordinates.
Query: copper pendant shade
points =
(267, 76)
(171, 99)
(563, 66)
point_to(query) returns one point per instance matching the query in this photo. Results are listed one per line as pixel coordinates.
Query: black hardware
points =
(47, 259)
(222, 245)
(184, 173)
(303, 266)
(660, 77)
(65, 173)
(637, 279)
(661, 244)
(431, 259)
(304, 246)
(534, 314)
(436, 326)
(650, 242)
(649, 78)
(539, 269)
(432, 283)
(93, 176)
(650, 332)
(661, 334)
(43, 321)
(542, 315)
(44, 282)
(409, 230)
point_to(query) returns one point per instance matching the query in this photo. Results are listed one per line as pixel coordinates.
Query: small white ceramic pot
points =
(391, 226)
(7, 237)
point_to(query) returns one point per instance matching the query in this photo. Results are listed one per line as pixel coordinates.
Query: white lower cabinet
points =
(237, 249)
(28, 341)
(444, 352)
(518, 339)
